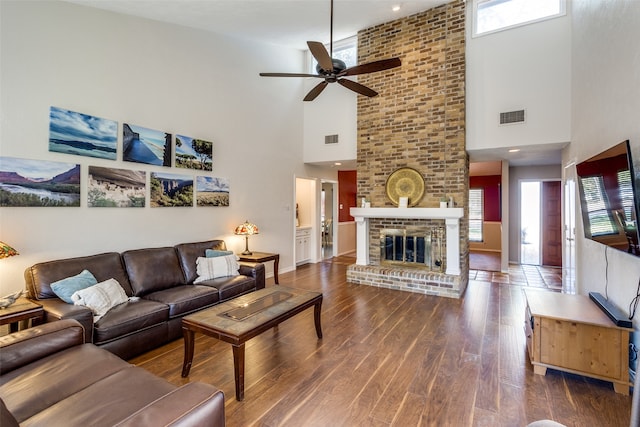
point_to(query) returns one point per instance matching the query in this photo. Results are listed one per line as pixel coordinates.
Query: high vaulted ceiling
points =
(282, 22)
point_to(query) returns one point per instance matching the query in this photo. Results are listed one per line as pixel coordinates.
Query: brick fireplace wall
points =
(418, 118)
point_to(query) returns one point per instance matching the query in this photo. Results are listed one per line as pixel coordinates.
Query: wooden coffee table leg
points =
(276, 261)
(316, 317)
(188, 351)
(238, 369)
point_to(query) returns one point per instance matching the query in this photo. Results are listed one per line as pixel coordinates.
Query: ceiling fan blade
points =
(357, 87)
(289, 75)
(322, 56)
(313, 93)
(371, 67)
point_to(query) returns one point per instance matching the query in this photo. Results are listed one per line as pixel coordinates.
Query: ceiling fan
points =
(334, 70)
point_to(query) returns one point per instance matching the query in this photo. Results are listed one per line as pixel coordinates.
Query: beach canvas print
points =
(193, 153)
(142, 145)
(82, 134)
(169, 189)
(212, 191)
(117, 188)
(26, 182)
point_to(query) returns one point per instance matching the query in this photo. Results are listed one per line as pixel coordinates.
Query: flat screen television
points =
(608, 199)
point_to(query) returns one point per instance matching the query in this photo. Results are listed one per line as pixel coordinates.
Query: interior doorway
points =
(541, 223)
(327, 214)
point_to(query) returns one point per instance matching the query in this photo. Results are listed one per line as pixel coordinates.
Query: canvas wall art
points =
(118, 188)
(81, 134)
(26, 182)
(193, 153)
(211, 191)
(142, 145)
(169, 189)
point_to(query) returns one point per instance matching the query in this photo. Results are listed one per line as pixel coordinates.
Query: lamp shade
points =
(6, 251)
(246, 229)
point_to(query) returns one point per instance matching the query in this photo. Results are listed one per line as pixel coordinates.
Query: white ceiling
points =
(292, 23)
(282, 22)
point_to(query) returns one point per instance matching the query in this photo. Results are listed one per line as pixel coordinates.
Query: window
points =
(476, 214)
(491, 16)
(601, 222)
(345, 50)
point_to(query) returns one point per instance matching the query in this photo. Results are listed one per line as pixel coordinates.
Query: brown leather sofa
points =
(49, 377)
(162, 278)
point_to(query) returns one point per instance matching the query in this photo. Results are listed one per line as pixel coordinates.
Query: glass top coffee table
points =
(238, 320)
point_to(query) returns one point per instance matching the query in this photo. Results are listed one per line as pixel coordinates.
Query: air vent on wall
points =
(331, 139)
(512, 117)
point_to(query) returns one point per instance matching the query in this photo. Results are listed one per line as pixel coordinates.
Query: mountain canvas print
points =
(38, 183)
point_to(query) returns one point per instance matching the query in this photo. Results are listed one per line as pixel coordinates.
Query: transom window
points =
(345, 50)
(490, 16)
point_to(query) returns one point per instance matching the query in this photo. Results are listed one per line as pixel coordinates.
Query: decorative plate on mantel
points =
(405, 182)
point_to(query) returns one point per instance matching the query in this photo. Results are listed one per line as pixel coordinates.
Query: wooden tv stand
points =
(570, 333)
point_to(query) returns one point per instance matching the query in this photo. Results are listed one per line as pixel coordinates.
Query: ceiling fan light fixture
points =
(333, 70)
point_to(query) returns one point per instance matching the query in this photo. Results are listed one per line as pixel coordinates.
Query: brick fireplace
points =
(417, 121)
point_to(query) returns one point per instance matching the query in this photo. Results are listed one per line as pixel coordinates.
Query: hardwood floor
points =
(392, 358)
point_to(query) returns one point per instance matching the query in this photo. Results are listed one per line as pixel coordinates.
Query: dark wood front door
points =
(552, 223)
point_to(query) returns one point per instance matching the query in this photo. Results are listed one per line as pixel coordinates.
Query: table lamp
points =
(6, 251)
(246, 229)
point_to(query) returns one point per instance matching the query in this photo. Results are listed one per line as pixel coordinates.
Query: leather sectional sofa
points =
(162, 279)
(49, 377)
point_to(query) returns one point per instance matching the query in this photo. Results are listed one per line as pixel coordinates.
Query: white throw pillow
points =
(100, 298)
(221, 266)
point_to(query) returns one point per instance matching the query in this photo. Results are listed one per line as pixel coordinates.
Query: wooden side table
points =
(263, 257)
(570, 333)
(22, 309)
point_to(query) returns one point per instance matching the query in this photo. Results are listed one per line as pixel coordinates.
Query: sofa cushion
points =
(188, 253)
(130, 317)
(57, 377)
(212, 268)
(100, 298)
(68, 286)
(39, 277)
(152, 269)
(185, 299)
(212, 253)
(105, 402)
(231, 287)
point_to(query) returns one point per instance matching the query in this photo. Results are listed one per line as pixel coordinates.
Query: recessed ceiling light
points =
(396, 8)
(514, 150)
(338, 164)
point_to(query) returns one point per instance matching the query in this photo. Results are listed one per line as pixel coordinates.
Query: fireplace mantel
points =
(451, 216)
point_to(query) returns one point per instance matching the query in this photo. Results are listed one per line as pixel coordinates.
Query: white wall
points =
(522, 68)
(333, 112)
(605, 111)
(159, 76)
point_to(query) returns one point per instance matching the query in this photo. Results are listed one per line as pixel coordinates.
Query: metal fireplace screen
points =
(421, 249)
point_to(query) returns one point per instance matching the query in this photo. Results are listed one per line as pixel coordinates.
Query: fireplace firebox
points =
(412, 248)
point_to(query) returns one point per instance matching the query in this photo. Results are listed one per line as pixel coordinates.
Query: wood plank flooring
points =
(391, 358)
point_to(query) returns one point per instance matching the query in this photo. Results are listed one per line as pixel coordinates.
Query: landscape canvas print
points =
(169, 189)
(82, 134)
(148, 146)
(118, 188)
(26, 182)
(194, 153)
(212, 191)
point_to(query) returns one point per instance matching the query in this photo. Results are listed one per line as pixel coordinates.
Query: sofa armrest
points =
(21, 348)
(190, 405)
(255, 270)
(55, 309)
